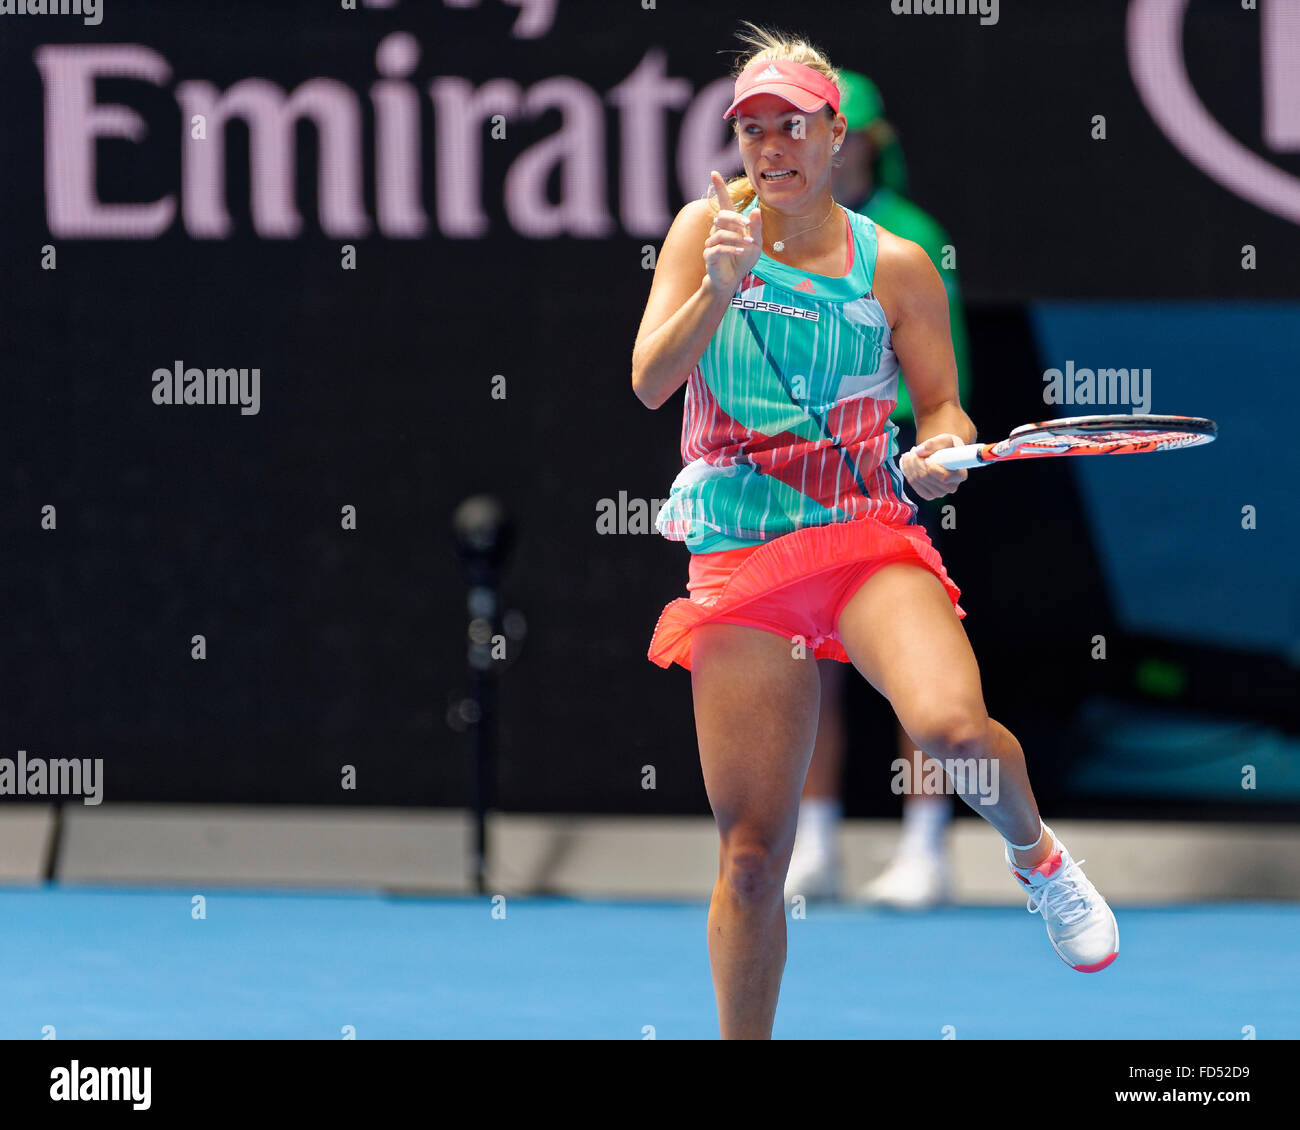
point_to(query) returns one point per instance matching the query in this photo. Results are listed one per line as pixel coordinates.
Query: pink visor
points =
(800, 85)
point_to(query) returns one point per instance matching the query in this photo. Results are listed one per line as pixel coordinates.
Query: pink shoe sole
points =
(1098, 967)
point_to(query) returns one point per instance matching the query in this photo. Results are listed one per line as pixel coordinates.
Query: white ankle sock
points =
(819, 822)
(1042, 831)
(925, 819)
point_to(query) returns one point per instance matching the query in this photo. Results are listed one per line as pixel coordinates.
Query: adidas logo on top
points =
(771, 72)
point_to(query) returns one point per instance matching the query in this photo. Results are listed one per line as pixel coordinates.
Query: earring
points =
(835, 148)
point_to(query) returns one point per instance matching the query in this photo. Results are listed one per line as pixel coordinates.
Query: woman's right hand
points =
(734, 242)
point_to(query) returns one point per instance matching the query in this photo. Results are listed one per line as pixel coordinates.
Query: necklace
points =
(779, 245)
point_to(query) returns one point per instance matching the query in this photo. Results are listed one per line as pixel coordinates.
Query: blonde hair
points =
(765, 44)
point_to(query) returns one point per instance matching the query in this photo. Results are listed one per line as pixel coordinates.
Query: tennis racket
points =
(1084, 435)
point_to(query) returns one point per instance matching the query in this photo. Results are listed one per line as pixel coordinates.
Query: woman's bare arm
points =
(922, 338)
(704, 258)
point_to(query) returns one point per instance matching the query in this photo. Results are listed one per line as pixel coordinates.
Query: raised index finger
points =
(724, 194)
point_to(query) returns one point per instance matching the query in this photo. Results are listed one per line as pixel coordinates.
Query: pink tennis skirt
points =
(795, 586)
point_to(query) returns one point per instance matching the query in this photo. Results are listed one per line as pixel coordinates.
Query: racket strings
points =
(1116, 441)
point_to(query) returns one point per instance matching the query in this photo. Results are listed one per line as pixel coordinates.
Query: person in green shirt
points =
(872, 179)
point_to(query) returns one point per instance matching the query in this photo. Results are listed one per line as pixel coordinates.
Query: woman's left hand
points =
(927, 478)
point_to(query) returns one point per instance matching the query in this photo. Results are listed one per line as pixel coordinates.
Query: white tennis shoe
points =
(814, 873)
(1080, 926)
(912, 881)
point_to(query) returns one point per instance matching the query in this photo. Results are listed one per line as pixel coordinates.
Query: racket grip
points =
(958, 458)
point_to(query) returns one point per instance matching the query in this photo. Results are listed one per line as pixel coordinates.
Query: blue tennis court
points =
(130, 964)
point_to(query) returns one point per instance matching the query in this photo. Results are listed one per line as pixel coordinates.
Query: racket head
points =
(1106, 435)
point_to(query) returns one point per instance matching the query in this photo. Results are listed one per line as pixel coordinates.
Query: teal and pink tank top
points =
(787, 413)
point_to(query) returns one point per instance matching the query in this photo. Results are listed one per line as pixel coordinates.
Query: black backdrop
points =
(329, 647)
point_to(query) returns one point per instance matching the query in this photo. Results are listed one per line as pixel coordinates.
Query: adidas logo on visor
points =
(771, 72)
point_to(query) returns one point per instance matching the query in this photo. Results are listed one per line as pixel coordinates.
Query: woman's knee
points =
(754, 863)
(951, 731)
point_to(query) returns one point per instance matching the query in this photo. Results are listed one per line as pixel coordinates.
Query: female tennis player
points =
(787, 317)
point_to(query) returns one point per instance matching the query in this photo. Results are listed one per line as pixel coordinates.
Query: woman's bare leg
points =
(902, 634)
(756, 718)
(826, 770)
